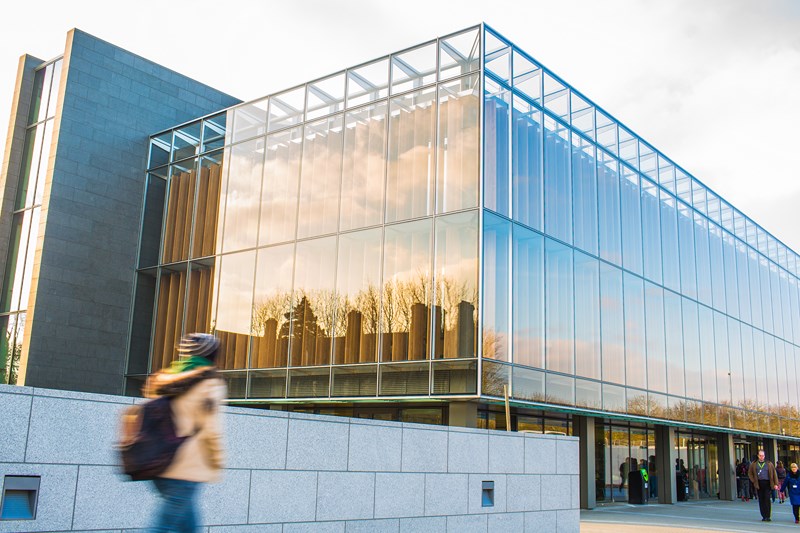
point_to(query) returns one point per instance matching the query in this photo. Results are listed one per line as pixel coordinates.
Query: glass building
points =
(423, 235)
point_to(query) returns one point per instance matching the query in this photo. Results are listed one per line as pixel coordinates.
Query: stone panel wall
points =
(292, 472)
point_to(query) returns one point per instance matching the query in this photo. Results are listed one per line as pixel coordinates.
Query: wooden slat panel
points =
(191, 182)
(161, 324)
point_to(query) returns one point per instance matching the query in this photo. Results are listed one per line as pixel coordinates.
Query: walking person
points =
(762, 474)
(781, 471)
(791, 484)
(197, 390)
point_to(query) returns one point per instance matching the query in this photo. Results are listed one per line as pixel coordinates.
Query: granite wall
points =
(293, 472)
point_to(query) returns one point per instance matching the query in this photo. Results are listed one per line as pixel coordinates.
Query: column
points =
(771, 449)
(463, 414)
(583, 428)
(665, 464)
(727, 472)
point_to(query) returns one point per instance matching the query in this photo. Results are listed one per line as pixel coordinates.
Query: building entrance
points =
(620, 450)
(697, 466)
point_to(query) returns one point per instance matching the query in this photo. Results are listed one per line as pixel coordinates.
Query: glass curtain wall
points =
(25, 218)
(328, 236)
(616, 281)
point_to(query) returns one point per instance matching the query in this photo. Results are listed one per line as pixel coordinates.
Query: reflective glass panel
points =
(527, 138)
(160, 148)
(527, 77)
(556, 97)
(235, 302)
(180, 208)
(635, 347)
(648, 164)
(324, 97)
(313, 302)
(54, 89)
(674, 329)
(368, 83)
(279, 197)
(582, 115)
(606, 132)
(242, 196)
(206, 212)
(557, 180)
(498, 57)
(669, 242)
(703, 259)
(286, 109)
(406, 291)
(320, 177)
(364, 167)
(186, 141)
(214, 129)
(651, 231)
(691, 349)
(559, 305)
(249, 120)
(414, 68)
(41, 91)
(717, 270)
(30, 165)
(559, 389)
(454, 314)
(412, 127)
(459, 54)
(272, 306)
(608, 208)
(358, 297)
(152, 221)
(527, 384)
(612, 324)
(587, 316)
(458, 158)
(584, 194)
(687, 261)
(628, 148)
(656, 337)
(528, 297)
(496, 274)
(496, 147)
(630, 204)
(666, 174)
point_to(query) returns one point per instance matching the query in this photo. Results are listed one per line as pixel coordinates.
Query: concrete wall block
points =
(424, 450)
(374, 448)
(568, 521)
(257, 442)
(258, 528)
(16, 409)
(73, 431)
(345, 496)
(467, 452)
(506, 454)
(541, 522)
(426, 524)
(540, 455)
(399, 495)
(282, 496)
(505, 522)
(556, 492)
(446, 494)
(576, 491)
(391, 525)
(567, 461)
(315, 527)
(104, 499)
(317, 445)
(226, 502)
(523, 492)
(475, 491)
(467, 524)
(56, 497)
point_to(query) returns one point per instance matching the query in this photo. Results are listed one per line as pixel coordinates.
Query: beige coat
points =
(196, 409)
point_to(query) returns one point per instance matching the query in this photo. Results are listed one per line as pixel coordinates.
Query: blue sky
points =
(714, 85)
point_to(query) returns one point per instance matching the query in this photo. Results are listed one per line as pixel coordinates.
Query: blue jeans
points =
(178, 512)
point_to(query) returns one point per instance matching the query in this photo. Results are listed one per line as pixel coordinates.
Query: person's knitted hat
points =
(199, 345)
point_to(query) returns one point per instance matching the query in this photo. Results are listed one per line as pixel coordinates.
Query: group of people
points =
(765, 481)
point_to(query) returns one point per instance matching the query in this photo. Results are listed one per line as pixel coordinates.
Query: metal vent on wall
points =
(20, 496)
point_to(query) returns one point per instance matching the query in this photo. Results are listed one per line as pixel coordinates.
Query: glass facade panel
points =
(630, 205)
(278, 222)
(691, 349)
(286, 109)
(455, 302)
(459, 54)
(320, 177)
(235, 302)
(557, 180)
(656, 337)
(496, 147)
(458, 157)
(673, 321)
(635, 346)
(559, 308)
(242, 196)
(313, 303)
(651, 231)
(249, 120)
(325, 96)
(272, 307)
(496, 290)
(414, 68)
(368, 83)
(528, 297)
(412, 154)
(358, 297)
(612, 324)
(364, 167)
(407, 291)
(610, 231)
(584, 194)
(206, 209)
(527, 139)
(587, 316)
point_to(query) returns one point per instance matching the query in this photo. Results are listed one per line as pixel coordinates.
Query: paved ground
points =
(711, 515)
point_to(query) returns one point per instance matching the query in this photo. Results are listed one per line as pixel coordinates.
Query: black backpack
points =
(148, 440)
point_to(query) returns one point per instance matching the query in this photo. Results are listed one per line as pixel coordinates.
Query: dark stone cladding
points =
(79, 310)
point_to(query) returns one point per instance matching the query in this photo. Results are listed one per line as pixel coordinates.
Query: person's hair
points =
(778, 464)
(793, 465)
